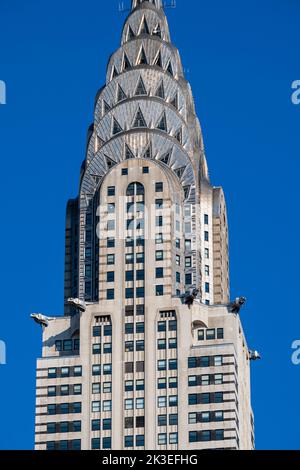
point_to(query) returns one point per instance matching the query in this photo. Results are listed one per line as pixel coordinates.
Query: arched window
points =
(135, 189)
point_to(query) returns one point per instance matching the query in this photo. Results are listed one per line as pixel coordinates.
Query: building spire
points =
(136, 3)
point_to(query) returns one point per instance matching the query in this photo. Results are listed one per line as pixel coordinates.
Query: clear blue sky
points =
(241, 58)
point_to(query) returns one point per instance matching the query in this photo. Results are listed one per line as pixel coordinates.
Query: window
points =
(207, 270)
(178, 243)
(107, 405)
(76, 407)
(219, 415)
(159, 221)
(162, 365)
(206, 253)
(206, 236)
(96, 348)
(219, 397)
(140, 310)
(140, 275)
(140, 366)
(210, 334)
(110, 276)
(77, 389)
(106, 443)
(140, 327)
(206, 219)
(220, 333)
(51, 428)
(129, 346)
(129, 276)
(110, 294)
(97, 331)
(129, 404)
(140, 292)
(96, 407)
(96, 388)
(178, 278)
(128, 423)
(173, 382)
(173, 325)
(140, 385)
(172, 343)
(51, 391)
(218, 361)
(162, 420)
(129, 293)
(124, 171)
(110, 260)
(173, 438)
(173, 400)
(188, 245)
(129, 385)
(111, 243)
(111, 191)
(140, 258)
(189, 279)
(140, 345)
(51, 445)
(52, 373)
(140, 422)
(128, 367)
(172, 364)
(159, 238)
(145, 170)
(159, 204)
(162, 402)
(159, 187)
(129, 328)
(178, 260)
(162, 326)
(95, 443)
(107, 387)
(162, 439)
(65, 372)
(68, 345)
(159, 273)
(96, 425)
(107, 369)
(77, 371)
(161, 344)
(218, 379)
(173, 420)
(159, 255)
(201, 336)
(162, 384)
(207, 288)
(128, 441)
(107, 330)
(129, 311)
(159, 291)
(140, 403)
(140, 441)
(219, 435)
(188, 262)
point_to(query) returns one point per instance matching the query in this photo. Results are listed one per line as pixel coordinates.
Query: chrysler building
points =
(150, 353)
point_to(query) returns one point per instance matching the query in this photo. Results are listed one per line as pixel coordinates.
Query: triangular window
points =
(170, 69)
(140, 89)
(126, 63)
(114, 73)
(110, 162)
(121, 95)
(160, 92)
(157, 31)
(178, 136)
(174, 101)
(179, 172)
(130, 33)
(144, 29)
(142, 58)
(116, 127)
(162, 124)
(99, 143)
(166, 158)
(106, 107)
(158, 60)
(128, 153)
(139, 120)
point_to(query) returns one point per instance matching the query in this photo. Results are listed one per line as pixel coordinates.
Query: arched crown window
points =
(135, 189)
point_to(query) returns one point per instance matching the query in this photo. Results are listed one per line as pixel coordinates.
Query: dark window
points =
(159, 273)
(110, 276)
(107, 330)
(124, 171)
(111, 191)
(220, 333)
(159, 291)
(159, 187)
(96, 425)
(145, 169)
